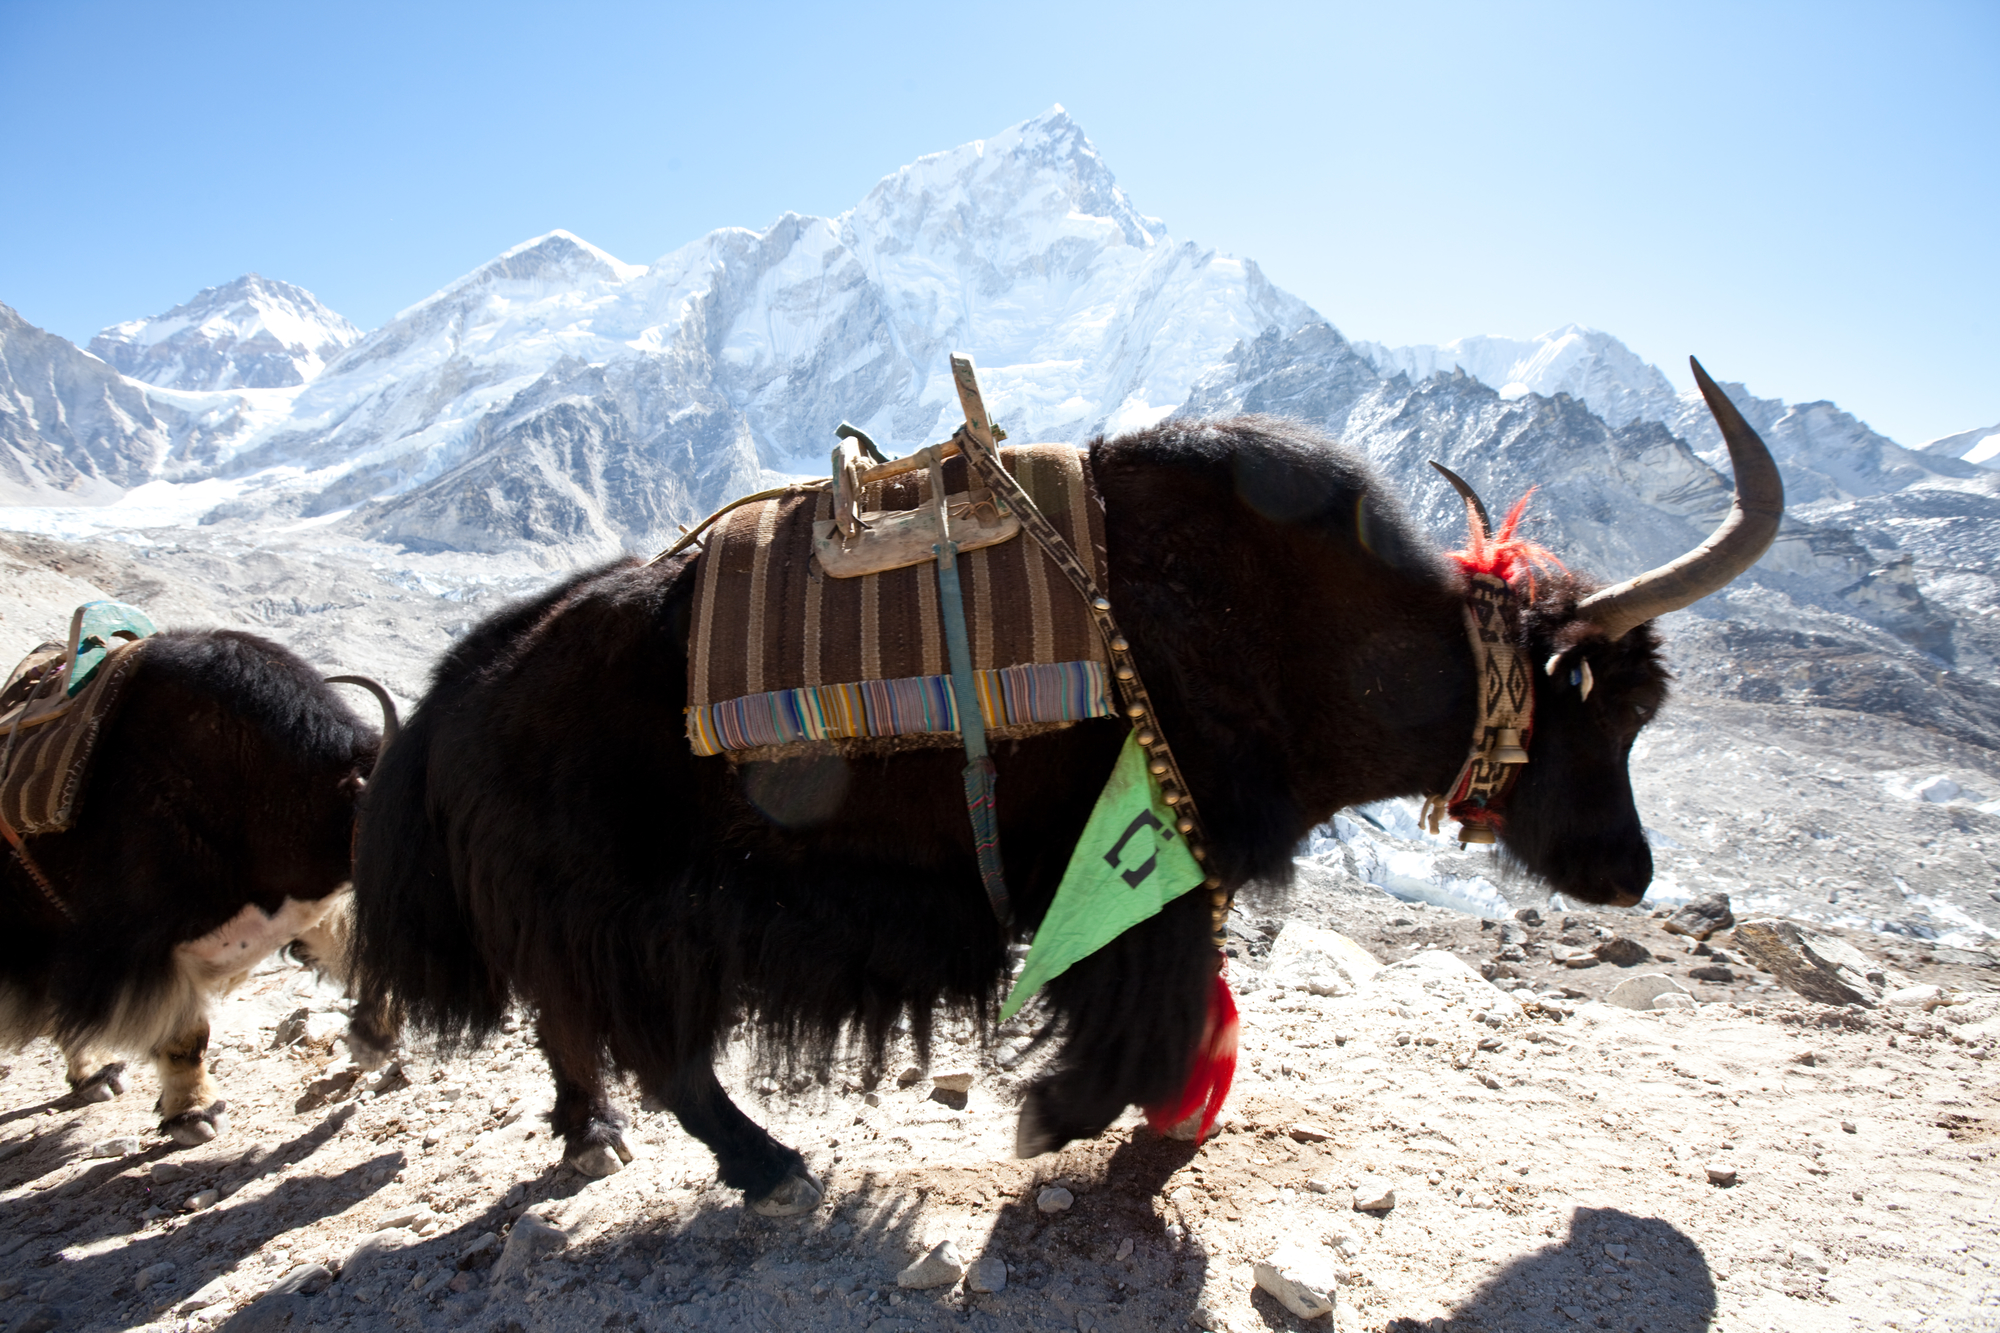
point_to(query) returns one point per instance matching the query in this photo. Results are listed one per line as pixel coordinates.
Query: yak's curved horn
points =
(390, 725)
(1732, 548)
(1474, 507)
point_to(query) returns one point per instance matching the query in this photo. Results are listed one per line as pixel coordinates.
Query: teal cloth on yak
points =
(94, 630)
(1128, 865)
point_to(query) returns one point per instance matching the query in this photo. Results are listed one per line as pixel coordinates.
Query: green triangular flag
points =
(1128, 865)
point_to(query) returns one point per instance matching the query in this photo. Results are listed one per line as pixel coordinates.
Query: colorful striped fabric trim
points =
(1009, 696)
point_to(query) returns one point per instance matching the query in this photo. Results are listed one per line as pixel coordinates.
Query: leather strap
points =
(980, 775)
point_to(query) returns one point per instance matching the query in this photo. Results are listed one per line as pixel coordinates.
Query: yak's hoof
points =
(1032, 1135)
(191, 1129)
(1188, 1130)
(367, 1056)
(102, 1086)
(598, 1160)
(797, 1193)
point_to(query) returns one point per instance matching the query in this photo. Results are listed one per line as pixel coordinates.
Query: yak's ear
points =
(1579, 672)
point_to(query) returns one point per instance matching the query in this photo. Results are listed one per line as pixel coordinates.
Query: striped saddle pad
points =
(46, 742)
(786, 659)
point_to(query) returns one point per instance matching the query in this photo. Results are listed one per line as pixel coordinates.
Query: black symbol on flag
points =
(1144, 819)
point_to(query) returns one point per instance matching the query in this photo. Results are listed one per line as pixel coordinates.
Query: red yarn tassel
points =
(1213, 1070)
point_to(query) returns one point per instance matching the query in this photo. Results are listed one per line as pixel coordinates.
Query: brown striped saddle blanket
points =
(48, 736)
(786, 659)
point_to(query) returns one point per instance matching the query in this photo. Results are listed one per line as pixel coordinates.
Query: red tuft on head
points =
(1505, 553)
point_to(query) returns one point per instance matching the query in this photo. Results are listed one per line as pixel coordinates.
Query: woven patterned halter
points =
(1506, 721)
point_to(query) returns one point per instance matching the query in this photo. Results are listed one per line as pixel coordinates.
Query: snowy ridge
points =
(253, 333)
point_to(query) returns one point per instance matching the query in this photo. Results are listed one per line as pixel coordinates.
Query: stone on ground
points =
(940, 1268)
(1303, 1280)
(988, 1273)
(1639, 992)
(1702, 917)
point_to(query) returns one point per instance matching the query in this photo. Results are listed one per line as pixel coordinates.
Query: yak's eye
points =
(1576, 675)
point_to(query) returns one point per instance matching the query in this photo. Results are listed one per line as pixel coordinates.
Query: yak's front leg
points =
(190, 1112)
(773, 1178)
(90, 1081)
(592, 1129)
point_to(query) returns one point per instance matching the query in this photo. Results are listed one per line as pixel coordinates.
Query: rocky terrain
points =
(1552, 1161)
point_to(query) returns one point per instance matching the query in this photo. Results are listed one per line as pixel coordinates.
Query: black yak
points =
(542, 831)
(215, 826)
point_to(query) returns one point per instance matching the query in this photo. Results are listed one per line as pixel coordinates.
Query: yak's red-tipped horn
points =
(1475, 508)
(1732, 548)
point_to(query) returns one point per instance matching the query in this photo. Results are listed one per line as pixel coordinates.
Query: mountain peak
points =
(253, 332)
(1040, 174)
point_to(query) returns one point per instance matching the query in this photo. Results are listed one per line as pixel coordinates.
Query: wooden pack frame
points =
(855, 542)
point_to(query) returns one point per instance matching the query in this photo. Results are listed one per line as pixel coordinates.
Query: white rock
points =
(1639, 992)
(324, 1027)
(1203, 1317)
(1054, 1199)
(1374, 1195)
(533, 1237)
(194, 1203)
(1938, 791)
(940, 1268)
(1673, 1000)
(1303, 1281)
(159, 1272)
(169, 1173)
(407, 1218)
(122, 1146)
(214, 1293)
(956, 1082)
(304, 1280)
(986, 1274)
(1916, 997)
(371, 1251)
(1323, 962)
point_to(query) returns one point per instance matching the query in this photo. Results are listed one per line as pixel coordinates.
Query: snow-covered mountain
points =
(72, 429)
(563, 404)
(253, 333)
(1980, 446)
(1581, 362)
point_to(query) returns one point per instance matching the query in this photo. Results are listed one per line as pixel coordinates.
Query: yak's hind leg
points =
(592, 1129)
(89, 1080)
(190, 1112)
(773, 1178)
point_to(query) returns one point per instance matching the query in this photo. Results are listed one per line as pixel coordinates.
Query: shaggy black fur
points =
(541, 829)
(228, 775)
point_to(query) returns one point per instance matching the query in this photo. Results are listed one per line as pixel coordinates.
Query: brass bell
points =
(1507, 750)
(1471, 833)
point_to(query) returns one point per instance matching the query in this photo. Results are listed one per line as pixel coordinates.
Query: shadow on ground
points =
(1615, 1271)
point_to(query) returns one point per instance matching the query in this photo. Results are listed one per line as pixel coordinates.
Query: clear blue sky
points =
(1805, 195)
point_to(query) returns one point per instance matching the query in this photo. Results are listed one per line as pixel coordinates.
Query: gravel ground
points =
(1550, 1166)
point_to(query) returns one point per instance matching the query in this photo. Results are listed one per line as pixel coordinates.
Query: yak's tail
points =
(415, 954)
